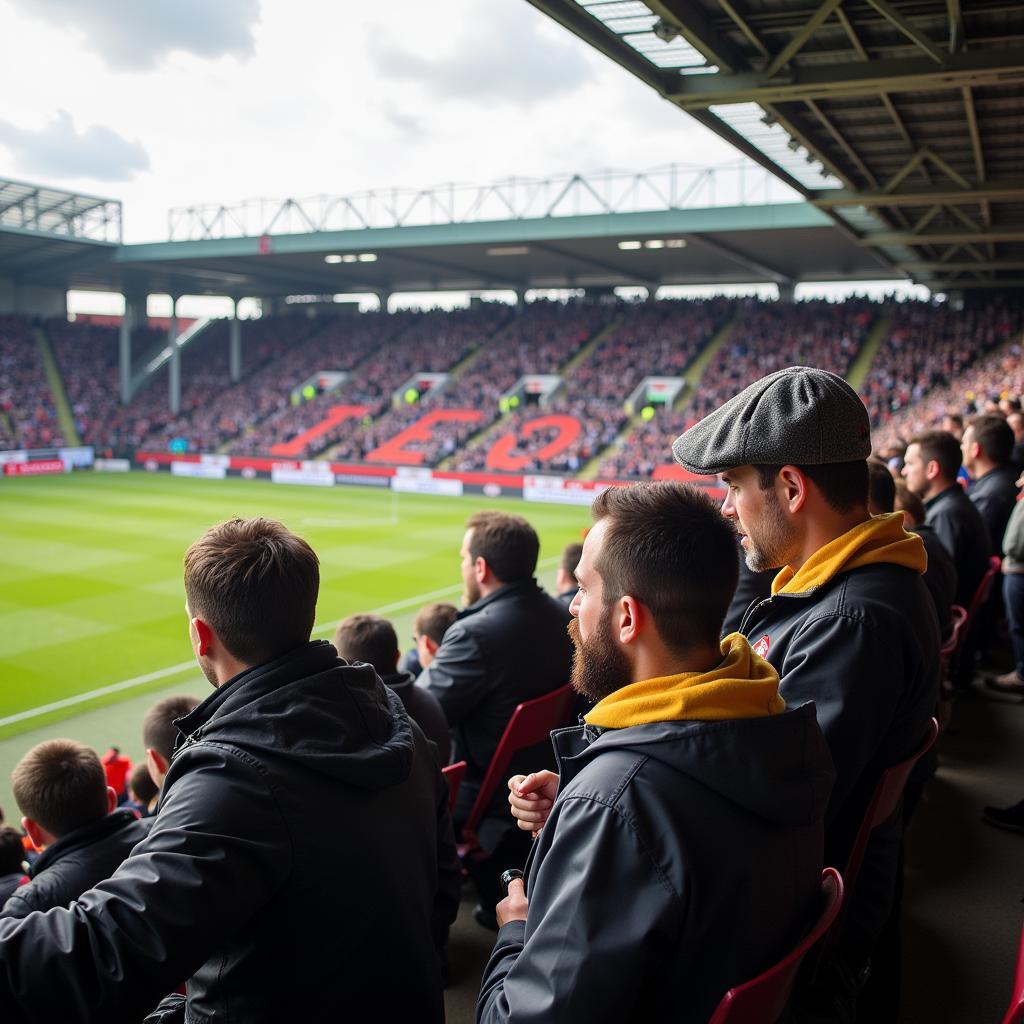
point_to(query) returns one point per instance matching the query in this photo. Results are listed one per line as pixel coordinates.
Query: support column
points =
(126, 351)
(174, 367)
(235, 346)
(520, 299)
(787, 291)
(383, 298)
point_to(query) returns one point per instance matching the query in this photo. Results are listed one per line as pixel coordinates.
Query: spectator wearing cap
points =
(373, 641)
(849, 623)
(930, 470)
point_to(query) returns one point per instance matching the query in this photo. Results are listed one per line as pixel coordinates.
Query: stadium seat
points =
(1015, 1012)
(531, 723)
(884, 801)
(453, 773)
(763, 999)
(957, 621)
(981, 594)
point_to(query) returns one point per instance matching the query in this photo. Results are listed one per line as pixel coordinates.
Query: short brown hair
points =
(881, 486)
(61, 785)
(843, 485)
(159, 732)
(669, 546)
(508, 544)
(908, 501)
(433, 620)
(368, 638)
(571, 558)
(942, 447)
(141, 784)
(256, 584)
(995, 436)
(12, 851)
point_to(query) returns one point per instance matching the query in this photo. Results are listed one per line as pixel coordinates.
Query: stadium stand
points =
(28, 415)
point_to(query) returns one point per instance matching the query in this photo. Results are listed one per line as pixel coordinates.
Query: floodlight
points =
(367, 257)
(676, 243)
(332, 258)
(629, 245)
(665, 30)
(654, 243)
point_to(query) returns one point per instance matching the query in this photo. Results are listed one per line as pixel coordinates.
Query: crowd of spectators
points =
(28, 413)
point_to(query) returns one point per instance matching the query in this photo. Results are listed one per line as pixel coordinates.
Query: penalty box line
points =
(174, 670)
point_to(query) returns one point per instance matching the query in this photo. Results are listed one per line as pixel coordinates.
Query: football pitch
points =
(92, 620)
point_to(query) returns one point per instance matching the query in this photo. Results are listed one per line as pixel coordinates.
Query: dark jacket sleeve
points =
(456, 676)
(217, 851)
(944, 526)
(449, 870)
(585, 951)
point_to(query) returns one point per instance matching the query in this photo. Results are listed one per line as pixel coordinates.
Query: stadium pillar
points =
(235, 346)
(174, 367)
(126, 350)
(787, 291)
(520, 299)
(383, 298)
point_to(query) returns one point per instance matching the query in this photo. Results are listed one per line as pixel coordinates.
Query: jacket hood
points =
(777, 767)
(311, 707)
(742, 685)
(880, 539)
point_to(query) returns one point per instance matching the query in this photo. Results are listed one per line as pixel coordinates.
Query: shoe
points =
(1008, 682)
(1010, 818)
(485, 918)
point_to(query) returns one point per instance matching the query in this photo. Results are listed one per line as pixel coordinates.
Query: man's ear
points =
(629, 619)
(792, 485)
(931, 469)
(111, 799)
(430, 644)
(37, 835)
(204, 636)
(481, 569)
(157, 767)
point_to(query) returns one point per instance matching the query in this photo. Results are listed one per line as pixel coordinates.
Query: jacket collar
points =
(84, 836)
(947, 493)
(506, 590)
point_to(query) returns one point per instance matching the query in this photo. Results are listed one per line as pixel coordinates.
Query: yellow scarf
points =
(742, 686)
(881, 539)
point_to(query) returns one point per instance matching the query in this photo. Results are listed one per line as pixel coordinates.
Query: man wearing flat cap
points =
(848, 623)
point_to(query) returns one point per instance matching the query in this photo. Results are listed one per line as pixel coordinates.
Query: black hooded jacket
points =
(680, 859)
(293, 865)
(76, 862)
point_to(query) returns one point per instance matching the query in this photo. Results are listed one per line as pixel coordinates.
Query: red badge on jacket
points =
(762, 645)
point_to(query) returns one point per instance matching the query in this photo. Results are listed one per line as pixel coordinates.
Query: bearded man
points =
(684, 849)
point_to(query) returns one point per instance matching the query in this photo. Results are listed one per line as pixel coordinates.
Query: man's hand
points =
(530, 798)
(514, 906)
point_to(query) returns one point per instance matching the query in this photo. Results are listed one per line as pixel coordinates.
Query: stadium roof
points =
(900, 119)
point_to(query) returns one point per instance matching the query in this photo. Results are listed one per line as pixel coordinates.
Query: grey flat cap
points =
(799, 416)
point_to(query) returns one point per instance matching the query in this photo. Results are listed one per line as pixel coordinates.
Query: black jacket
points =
(994, 496)
(865, 648)
(752, 586)
(76, 862)
(954, 517)
(424, 710)
(294, 862)
(680, 859)
(9, 884)
(940, 576)
(503, 649)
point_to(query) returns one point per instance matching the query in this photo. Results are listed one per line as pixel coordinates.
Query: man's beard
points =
(470, 593)
(774, 537)
(598, 666)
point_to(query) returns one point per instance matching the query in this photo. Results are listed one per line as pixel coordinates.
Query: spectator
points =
(940, 576)
(372, 640)
(160, 733)
(932, 463)
(849, 624)
(565, 579)
(509, 644)
(1015, 421)
(253, 880)
(1013, 598)
(12, 867)
(71, 818)
(953, 423)
(117, 768)
(688, 778)
(429, 627)
(987, 448)
(143, 792)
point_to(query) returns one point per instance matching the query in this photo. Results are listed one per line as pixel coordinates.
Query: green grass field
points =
(91, 603)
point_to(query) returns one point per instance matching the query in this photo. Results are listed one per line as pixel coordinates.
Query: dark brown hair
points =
(995, 436)
(508, 544)
(60, 785)
(907, 500)
(669, 546)
(141, 783)
(159, 732)
(368, 638)
(942, 447)
(12, 851)
(571, 558)
(433, 621)
(256, 583)
(843, 485)
(881, 486)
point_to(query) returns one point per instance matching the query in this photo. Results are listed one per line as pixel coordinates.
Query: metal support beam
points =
(919, 39)
(999, 191)
(744, 26)
(800, 39)
(956, 25)
(741, 259)
(857, 78)
(174, 365)
(697, 30)
(235, 344)
(944, 236)
(608, 268)
(125, 354)
(931, 267)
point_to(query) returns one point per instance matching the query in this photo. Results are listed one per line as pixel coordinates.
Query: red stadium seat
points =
(1015, 1012)
(957, 621)
(884, 802)
(531, 723)
(763, 999)
(454, 773)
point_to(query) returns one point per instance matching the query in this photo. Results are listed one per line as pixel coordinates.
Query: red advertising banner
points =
(42, 467)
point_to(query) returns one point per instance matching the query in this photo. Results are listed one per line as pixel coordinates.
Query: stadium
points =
(566, 330)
